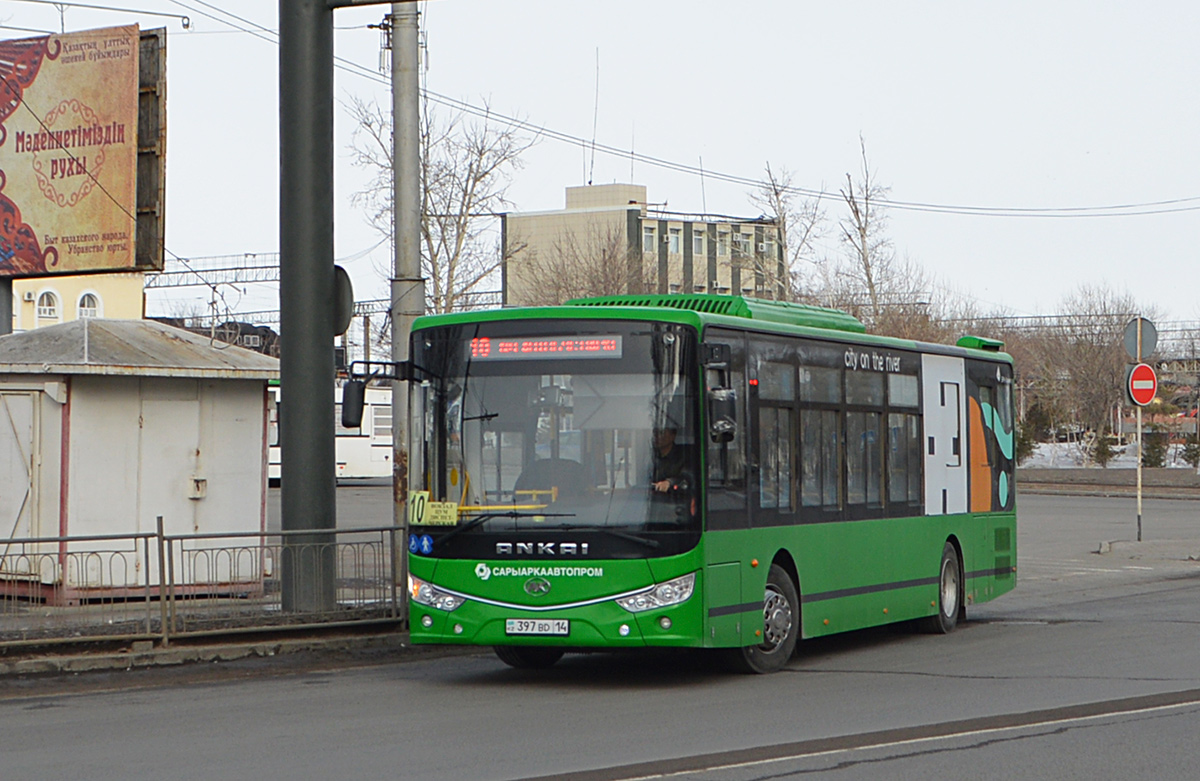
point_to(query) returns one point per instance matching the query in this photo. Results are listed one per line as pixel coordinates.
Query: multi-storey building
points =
(52, 300)
(652, 250)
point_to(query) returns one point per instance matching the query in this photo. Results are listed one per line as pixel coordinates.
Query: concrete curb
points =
(1182, 551)
(1103, 492)
(143, 654)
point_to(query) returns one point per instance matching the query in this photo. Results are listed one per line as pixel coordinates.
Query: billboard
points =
(69, 152)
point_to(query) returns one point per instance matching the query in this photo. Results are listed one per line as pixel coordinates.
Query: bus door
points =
(727, 492)
(943, 383)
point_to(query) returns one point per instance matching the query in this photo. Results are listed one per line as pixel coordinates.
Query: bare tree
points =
(594, 263)
(870, 259)
(801, 223)
(1091, 352)
(466, 169)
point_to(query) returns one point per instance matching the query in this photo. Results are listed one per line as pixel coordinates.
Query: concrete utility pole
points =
(408, 287)
(307, 301)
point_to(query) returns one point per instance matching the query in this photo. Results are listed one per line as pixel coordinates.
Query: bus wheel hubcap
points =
(949, 589)
(777, 615)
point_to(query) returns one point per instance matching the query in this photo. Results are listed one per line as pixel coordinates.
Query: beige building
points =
(51, 300)
(608, 239)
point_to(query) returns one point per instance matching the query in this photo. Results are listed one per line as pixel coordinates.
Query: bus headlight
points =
(428, 594)
(661, 595)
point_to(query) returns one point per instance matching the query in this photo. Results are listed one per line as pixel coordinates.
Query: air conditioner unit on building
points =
(28, 295)
(762, 246)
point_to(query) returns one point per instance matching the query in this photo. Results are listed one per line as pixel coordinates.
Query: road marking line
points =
(1052, 717)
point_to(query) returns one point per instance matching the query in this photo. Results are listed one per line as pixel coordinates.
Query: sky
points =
(971, 113)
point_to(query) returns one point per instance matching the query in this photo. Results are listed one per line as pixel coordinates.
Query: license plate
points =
(537, 626)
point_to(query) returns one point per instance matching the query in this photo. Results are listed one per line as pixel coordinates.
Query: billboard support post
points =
(6, 310)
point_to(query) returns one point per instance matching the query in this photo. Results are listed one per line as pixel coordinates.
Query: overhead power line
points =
(1135, 209)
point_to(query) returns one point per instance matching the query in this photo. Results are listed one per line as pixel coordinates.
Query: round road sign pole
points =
(1139, 472)
(1142, 385)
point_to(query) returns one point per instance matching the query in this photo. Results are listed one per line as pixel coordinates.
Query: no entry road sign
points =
(1143, 384)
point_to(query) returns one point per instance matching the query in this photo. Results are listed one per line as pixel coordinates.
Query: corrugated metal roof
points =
(140, 347)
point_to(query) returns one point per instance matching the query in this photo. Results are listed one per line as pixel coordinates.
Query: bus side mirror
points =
(722, 414)
(715, 355)
(354, 394)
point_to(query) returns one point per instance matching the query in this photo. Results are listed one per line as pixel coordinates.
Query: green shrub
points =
(1026, 442)
(1102, 450)
(1154, 449)
(1191, 450)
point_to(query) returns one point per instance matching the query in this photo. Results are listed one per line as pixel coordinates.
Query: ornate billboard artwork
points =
(68, 152)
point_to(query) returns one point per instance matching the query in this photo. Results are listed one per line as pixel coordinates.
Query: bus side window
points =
(864, 443)
(726, 460)
(776, 434)
(820, 439)
(905, 458)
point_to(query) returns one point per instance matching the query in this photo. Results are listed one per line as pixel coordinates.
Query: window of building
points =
(697, 242)
(253, 341)
(722, 242)
(675, 241)
(47, 306)
(647, 239)
(89, 305)
(741, 244)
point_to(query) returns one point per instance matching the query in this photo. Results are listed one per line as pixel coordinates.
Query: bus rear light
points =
(666, 594)
(428, 594)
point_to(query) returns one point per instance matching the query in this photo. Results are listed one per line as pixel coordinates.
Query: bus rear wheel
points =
(528, 657)
(950, 590)
(781, 627)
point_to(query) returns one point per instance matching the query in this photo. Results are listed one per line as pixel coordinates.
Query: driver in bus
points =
(670, 462)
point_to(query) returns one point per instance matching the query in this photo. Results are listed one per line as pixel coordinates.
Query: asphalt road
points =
(1091, 668)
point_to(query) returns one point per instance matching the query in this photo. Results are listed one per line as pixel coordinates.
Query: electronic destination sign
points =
(539, 348)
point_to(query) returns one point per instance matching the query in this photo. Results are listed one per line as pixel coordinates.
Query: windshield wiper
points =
(479, 519)
(623, 535)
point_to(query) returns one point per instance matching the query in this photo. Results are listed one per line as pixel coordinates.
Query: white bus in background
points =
(360, 453)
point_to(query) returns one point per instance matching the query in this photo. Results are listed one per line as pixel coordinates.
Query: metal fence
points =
(156, 586)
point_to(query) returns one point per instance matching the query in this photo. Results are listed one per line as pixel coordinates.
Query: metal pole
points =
(306, 312)
(1139, 472)
(162, 583)
(367, 338)
(1139, 439)
(6, 305)
(408, 287)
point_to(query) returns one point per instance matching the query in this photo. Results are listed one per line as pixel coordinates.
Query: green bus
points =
(699, 471)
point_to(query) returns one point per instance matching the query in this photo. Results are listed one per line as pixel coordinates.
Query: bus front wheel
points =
(950, 590)
(528, 657)
(781, 627)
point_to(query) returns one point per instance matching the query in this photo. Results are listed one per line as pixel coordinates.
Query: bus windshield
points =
(543, 430)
